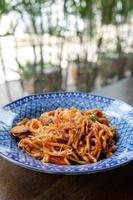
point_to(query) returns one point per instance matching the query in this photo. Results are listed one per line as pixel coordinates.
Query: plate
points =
(119, 114)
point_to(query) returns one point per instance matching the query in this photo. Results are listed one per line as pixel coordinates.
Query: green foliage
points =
(112, 8)
(126, 8)
(4, 7)
(28, 69)
(108, 10)
(85, 10)
(32, 7)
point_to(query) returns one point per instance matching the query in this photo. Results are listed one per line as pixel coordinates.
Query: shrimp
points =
(19, 130)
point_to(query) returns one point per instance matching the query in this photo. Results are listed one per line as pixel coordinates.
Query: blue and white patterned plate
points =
(119, 113)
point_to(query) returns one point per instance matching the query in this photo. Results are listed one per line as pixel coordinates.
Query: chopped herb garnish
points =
(94, 118)
(48, 121)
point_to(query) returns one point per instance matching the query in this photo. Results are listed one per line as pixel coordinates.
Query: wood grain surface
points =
(17, 183)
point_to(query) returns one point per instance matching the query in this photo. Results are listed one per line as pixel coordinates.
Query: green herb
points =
(48, 121)
(94, 118)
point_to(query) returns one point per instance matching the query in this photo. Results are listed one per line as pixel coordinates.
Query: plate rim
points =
(26, 166)
(65, 92)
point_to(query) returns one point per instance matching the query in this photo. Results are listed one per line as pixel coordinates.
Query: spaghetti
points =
(67, 136)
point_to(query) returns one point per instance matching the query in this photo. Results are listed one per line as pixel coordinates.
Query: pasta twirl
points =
(67, 136)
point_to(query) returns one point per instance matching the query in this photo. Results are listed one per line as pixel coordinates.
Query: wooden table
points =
(17, 183)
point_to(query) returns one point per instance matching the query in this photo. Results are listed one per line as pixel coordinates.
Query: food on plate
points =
(67, 136)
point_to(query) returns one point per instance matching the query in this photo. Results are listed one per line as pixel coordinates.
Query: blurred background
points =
(63, 45)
